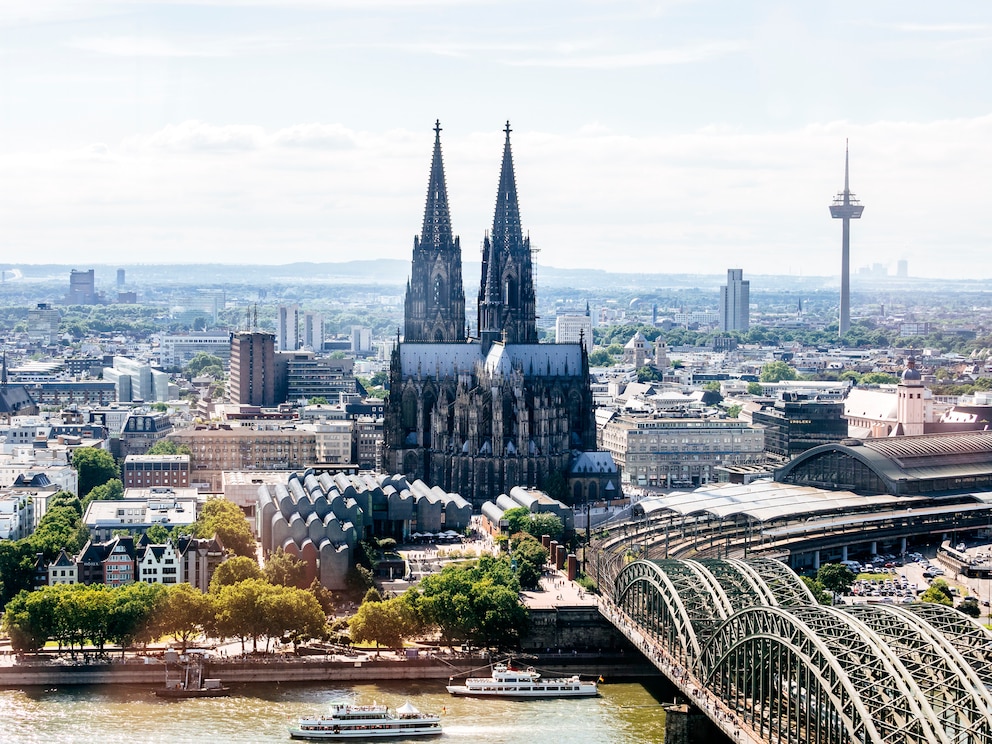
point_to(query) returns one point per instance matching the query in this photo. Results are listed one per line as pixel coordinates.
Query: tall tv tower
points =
(846, 207)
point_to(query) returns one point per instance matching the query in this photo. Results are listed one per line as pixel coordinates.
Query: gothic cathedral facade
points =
(479, 415)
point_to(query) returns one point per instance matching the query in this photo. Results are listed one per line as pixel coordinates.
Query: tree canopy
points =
(94, 468)
(226, 520)
(777, 372)
(476, 602)
(168, 447)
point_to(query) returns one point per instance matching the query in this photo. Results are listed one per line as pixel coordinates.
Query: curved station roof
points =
(862, 475)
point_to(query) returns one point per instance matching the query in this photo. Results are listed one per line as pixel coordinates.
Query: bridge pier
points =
(686, 724)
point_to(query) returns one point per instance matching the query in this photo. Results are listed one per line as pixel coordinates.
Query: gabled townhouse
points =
(158, 564)
(119, 561)
(62, 570)
(199, 559)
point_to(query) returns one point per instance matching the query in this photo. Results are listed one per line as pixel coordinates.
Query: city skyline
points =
(648, 136)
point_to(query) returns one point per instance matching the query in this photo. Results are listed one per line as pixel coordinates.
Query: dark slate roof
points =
(14, 399)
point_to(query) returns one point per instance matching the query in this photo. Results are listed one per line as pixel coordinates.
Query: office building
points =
(176, 349)
(574, 328)
(148, 471)
(313, 332)
(252, 378)
(82, 288)
(735, 302)
(288, 328)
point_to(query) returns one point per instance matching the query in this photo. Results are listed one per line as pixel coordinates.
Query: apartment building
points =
(679, 452)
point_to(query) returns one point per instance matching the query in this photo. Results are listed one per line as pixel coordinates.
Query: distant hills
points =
(388, 271)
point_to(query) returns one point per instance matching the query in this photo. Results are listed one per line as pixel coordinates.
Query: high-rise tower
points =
(846, 207)
(435, 295)
(507, 303)
(735, 302)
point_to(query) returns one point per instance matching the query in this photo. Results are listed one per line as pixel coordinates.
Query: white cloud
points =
(683, 55)
(695, 202)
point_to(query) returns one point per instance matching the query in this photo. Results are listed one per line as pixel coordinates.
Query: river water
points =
(623, 713)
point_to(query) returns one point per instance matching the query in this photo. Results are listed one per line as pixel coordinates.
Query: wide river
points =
(262, 713)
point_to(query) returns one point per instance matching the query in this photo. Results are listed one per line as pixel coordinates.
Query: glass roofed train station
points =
(863, 496)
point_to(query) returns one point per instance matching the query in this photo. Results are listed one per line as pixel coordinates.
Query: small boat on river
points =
(190, 683)
(522, 683)
(346, 721)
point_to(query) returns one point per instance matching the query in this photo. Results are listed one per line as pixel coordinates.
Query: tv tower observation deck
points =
(846, 207)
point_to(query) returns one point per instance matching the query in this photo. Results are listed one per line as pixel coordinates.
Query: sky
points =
(657, 136)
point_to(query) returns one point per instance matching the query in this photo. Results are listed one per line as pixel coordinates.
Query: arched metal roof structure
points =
(801, 672)
(913, 465)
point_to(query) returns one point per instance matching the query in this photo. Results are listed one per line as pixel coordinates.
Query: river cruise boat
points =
(522, 683)
(346, 721)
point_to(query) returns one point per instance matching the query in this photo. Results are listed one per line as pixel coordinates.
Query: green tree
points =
(168, 447)
(545, 523)
(970, 608)
(835, 577)
(712, 386)
(601, 358)
(652, 374)
(531, 557)
(157, 534)
(16, 569)
(734, 410)
(242, 610)
(94, 468)
(201, 361)
(878, 378)
(226, 520)
(318, 400)
(755, 388)
(233, 570)
(939, 593)
(112, 490)
(821, 595)
(517, 519)
(293, 614)
(285, 569)
(478, 602)
(384, 623)
(777, 372)
(323, 595)
(185, 613)
(132, 612)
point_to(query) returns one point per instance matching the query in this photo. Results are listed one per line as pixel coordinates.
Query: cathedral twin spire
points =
(435, 300)
(435, 295)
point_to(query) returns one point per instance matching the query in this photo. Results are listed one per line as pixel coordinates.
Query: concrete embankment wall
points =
(312, 669)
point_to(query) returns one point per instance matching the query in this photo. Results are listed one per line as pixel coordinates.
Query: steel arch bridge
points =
(796, 671)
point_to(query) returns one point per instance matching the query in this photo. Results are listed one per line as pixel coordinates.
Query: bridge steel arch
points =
(667, 607)
(972, 641)
(959, 698)
(815, 674)
(800, 672)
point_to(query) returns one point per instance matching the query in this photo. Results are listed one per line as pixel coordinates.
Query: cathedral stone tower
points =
(507, 303)
(435, 295)
(484, 415)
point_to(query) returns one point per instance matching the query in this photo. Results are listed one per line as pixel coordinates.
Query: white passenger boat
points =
(522, 683)
(347, 721)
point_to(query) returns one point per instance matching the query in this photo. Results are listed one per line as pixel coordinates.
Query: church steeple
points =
(436, 231)
(435, 297)
(507, 303)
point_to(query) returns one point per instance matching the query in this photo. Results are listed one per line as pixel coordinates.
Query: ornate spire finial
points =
(507, 130)
(437, 130)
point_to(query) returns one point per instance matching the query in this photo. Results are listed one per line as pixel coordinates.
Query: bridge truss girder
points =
(800, 672)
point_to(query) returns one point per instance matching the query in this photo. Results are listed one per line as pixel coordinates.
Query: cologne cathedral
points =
(479, 415)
